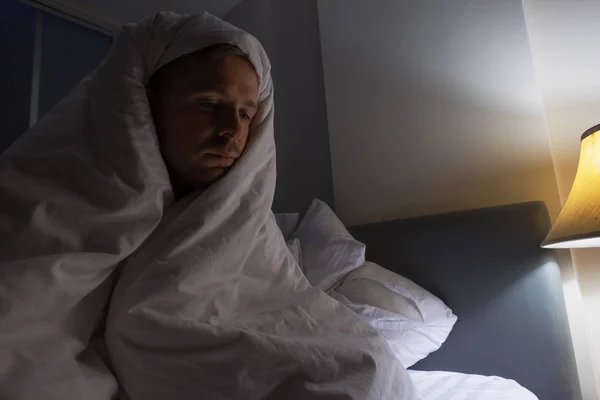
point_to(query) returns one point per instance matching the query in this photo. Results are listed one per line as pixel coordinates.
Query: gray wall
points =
(289, 32)
(17, 26)
(433, 106)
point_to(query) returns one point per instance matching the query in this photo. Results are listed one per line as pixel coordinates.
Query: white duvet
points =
(104, 279)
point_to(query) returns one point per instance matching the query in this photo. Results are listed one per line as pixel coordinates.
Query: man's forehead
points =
(213, 55)
(213, 67)
(218, 76)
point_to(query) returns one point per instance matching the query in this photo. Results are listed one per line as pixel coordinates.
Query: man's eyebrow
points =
(209, 89)
(251, 104)
(221, 90)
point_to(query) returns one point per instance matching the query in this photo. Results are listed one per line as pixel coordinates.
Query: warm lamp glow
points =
(578, 224)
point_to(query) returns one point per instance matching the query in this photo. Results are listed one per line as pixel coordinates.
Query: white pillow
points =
(328, 250)
(414, 321)
(287, 223)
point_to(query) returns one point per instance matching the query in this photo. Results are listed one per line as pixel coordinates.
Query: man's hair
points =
(159, 78)
(221, 49)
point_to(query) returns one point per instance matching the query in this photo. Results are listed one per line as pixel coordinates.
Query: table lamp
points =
(578, 223)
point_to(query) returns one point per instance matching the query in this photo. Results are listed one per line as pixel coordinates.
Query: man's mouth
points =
(223, 160)
(225, 154)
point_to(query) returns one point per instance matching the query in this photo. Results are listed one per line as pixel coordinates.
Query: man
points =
(168, 113)
(138, 246)
(203, 104)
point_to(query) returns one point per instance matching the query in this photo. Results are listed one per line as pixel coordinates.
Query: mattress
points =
(442, 385)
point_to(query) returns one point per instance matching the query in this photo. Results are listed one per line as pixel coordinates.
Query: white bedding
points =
(210, 303)
(441, 385)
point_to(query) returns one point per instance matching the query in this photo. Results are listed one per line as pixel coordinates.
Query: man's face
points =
(202, 114)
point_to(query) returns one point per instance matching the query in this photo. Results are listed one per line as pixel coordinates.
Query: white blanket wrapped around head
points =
(211, 306)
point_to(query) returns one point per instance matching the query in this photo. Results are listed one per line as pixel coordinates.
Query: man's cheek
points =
(244, 140)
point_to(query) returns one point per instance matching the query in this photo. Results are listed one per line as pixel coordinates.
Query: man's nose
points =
(229, 124)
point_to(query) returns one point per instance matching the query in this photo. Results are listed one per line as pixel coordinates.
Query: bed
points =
(487, 266)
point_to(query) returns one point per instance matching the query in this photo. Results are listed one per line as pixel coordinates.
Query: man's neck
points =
(181, 189)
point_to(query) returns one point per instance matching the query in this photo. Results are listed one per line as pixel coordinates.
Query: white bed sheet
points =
(442, 385)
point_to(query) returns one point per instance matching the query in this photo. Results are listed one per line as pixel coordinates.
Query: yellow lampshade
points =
(578, 224)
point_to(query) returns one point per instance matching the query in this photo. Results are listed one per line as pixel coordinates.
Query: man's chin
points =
(198, 181)
(212, 175)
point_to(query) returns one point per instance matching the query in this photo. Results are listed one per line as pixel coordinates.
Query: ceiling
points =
(110, 14)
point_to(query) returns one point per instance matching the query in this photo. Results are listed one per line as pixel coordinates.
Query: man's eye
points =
(245, 116)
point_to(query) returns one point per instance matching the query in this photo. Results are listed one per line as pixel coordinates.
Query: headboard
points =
(487, 265)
